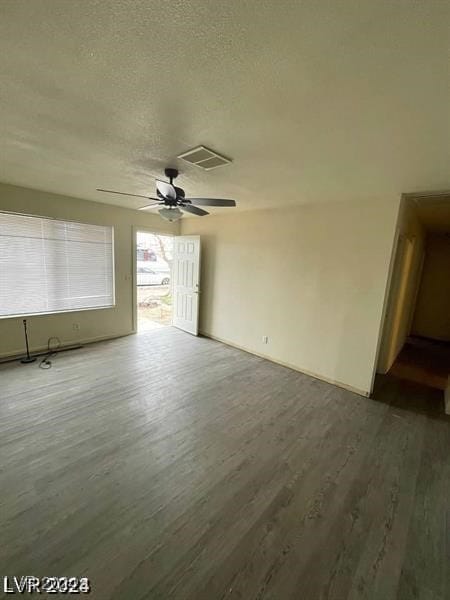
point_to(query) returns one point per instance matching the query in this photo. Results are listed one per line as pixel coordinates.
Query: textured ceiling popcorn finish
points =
(315, 101)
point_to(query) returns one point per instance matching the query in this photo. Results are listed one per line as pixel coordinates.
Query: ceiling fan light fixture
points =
(170, 214)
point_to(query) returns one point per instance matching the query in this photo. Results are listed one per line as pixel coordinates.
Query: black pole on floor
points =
(28, 358)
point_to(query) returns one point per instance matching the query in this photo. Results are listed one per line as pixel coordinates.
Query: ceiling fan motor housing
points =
(172, 201)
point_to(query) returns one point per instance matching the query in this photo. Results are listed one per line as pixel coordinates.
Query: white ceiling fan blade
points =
(167, 190)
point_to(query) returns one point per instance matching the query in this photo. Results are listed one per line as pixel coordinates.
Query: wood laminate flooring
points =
(164, 466)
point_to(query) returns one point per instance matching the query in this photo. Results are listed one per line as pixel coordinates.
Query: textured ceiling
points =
(314, 101)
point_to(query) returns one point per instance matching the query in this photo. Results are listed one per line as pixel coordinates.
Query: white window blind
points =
(49, 266)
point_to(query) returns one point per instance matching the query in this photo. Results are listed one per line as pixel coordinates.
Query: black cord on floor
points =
(46, 363)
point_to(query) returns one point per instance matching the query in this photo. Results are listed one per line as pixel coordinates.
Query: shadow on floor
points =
(410, 396)
(423, 361)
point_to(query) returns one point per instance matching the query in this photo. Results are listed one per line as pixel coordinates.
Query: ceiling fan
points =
(172, 199)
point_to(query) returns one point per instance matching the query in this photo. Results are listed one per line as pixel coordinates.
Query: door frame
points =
(136, 229)
(387, 295)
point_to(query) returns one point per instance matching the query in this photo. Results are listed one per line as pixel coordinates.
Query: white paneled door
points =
(186, 282)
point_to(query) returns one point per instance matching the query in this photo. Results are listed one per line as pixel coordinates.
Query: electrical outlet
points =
(76, 327)
(265, 339)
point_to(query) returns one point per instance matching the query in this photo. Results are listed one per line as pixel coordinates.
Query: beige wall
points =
(312, 279)
(432, 315)
(404, 285)
(94, 324)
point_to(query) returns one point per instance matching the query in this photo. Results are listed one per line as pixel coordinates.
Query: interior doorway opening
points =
(154, 256)
(416, 338)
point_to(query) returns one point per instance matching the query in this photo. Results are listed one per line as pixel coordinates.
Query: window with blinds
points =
(49, 266)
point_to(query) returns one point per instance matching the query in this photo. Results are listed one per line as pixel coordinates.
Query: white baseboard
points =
(38, 349)
(350, 388)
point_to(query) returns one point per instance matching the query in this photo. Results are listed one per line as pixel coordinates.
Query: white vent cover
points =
(204, 158)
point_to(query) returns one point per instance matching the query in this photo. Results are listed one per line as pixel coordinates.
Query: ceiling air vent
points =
(204, 158)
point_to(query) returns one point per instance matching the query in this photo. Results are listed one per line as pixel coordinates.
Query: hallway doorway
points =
(416, 338)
